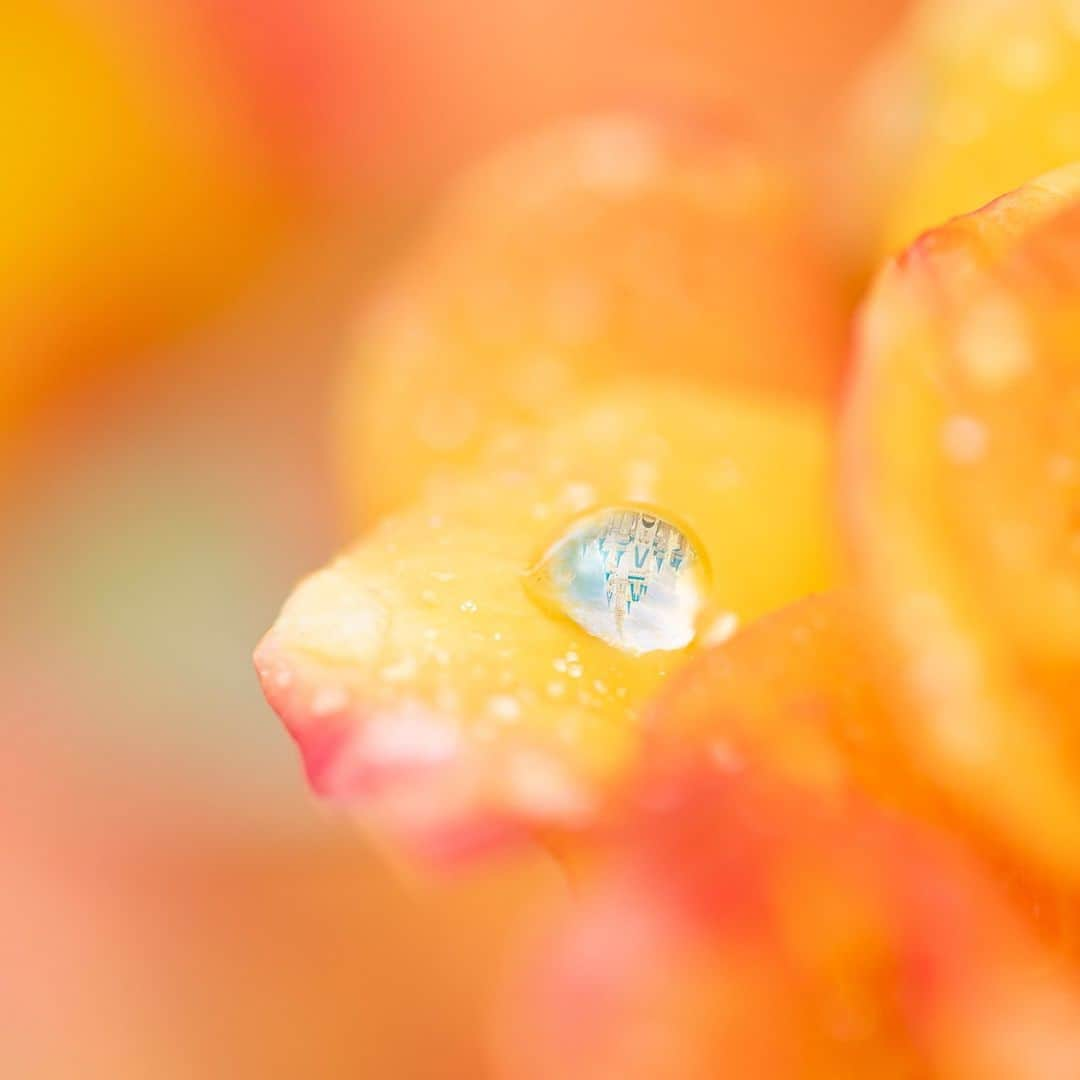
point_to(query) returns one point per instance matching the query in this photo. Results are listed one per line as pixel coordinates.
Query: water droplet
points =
(992, 341)
(964, 439)
(1028, 63)
(617, 155)
(626, 575)
(721, 629)
(402, 671)
(578, 497)
(468, 606)
(542, 784)
(725, 757)
(328, 700)
(504, 707)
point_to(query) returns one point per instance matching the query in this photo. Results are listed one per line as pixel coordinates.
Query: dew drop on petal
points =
(627, 576)
(328, 700)
(504, 707)
(964, 440)
(721, 629)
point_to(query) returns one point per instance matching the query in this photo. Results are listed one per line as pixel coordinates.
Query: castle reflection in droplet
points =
(628, 576)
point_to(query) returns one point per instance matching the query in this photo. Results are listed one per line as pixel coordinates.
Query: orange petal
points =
(799, 694)
(425, 685)
(614, 246)
(969, 100)
(741, 928)
(962, 443)
(794, 692)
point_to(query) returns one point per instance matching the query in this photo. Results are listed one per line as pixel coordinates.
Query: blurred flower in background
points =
(968, 100)
(196, 200)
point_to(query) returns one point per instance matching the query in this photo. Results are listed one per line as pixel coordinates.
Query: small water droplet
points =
(628, 576)
(504, 707)
(721, 629)
(1028, 63)
(329, 699)
(402, 671)
(578, 497)
(725, 757)
(468, 606)
(964, 440)
(1063, 469)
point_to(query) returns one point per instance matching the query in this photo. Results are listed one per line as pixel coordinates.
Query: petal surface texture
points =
(422, 678)
(615, 246)
(962, 474)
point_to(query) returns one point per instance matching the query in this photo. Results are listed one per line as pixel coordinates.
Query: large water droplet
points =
(626, 575)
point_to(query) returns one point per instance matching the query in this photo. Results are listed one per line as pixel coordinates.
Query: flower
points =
(823, 812)
(425, 686)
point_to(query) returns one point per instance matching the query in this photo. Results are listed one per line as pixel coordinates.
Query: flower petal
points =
(962, 438)
(801, 694)
(970, 100)
(742, 928)
(426, 686)
(618, 245)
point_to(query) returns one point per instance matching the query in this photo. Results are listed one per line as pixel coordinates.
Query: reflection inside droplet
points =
(627, 576)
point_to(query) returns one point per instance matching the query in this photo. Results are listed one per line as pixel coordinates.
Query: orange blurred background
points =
(193, 198)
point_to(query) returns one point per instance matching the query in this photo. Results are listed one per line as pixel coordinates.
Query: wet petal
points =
(961, 435)
(426, 685)
(801, 694)
(794, 691)
(627, 575)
